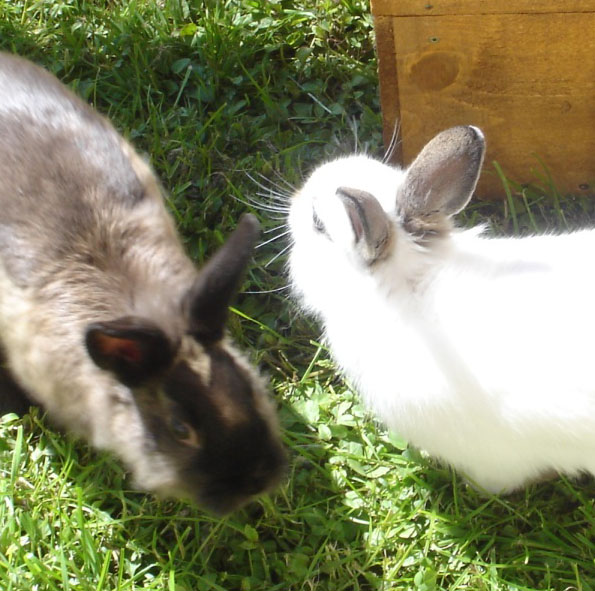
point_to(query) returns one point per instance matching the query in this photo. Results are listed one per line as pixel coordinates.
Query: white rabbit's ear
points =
(370, 224)
(441, 180)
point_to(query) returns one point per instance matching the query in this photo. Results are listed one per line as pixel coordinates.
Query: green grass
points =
(214, 91)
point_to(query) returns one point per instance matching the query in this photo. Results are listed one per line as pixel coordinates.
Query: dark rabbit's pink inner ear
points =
(126, 349)
(133, 349)
(218, 281)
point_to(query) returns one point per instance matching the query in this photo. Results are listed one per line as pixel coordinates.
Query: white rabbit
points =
(475, 349)
(105, 321)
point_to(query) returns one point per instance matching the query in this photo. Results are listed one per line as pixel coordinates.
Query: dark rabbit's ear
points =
(218, 281)
(442, 178)
(134, 349)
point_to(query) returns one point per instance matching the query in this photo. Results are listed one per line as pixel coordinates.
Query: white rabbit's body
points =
(474, 349)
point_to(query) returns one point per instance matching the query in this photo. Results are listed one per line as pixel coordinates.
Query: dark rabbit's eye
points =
(183, 432)
(318, 225)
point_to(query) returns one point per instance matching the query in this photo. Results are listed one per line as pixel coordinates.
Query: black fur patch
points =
(241, 456)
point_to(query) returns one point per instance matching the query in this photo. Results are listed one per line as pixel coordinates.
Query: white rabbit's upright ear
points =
(441, 180)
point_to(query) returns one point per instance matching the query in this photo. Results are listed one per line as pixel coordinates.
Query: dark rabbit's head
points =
(210, 433)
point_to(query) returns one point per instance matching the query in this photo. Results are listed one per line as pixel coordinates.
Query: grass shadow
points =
(539, 538)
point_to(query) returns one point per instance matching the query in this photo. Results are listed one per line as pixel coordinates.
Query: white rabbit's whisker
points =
(279, 199)
(354, 131)
(269, 207)
(394, 142)
(259, 205)
(274, 199)
(280, 253)
(273, 238)
(280, 206)
(266, 188)
(275, 228)
(285, 182)
(275, 290)
(269, 185)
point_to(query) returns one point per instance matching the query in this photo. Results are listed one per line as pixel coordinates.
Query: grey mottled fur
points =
(85, 238)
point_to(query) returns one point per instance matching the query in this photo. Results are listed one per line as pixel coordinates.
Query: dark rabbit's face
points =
(231, 430)
(211, 417)
(210, 433)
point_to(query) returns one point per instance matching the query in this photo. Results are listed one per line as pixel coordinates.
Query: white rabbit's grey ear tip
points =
(469, 132)
(477, 131)
(478, 135)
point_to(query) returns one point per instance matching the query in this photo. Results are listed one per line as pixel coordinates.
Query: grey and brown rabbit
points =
(104, 320)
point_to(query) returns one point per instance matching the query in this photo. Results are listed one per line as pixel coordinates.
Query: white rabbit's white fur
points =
(478, 350)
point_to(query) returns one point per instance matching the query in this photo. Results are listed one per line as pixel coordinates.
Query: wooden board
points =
(526, 79)
(437, 7)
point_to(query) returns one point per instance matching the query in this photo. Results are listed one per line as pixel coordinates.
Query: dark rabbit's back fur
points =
(105, 321)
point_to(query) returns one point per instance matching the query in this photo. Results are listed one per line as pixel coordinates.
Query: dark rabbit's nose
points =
(264, 475)
(253, 486)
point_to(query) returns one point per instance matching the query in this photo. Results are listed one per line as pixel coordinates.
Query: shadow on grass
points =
(539, 538)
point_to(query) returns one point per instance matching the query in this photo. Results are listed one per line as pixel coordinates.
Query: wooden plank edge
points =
(389, 86)
(475, 7)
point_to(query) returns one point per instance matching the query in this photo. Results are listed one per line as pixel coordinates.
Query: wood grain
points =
(527, 80)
